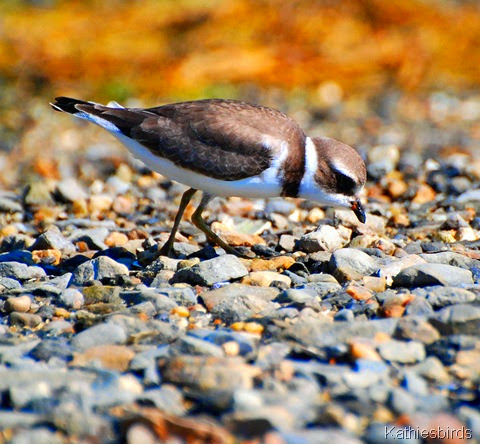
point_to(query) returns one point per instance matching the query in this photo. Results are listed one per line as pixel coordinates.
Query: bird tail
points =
(68, 105)
(113, 117)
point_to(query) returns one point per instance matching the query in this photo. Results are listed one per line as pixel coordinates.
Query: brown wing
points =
(224, 139)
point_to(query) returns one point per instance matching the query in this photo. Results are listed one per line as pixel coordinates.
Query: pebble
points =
(189, 345)
(94, 238)
(161, 302)
(349, 264)
(29, 320)
(97, 269)
(416, 329)
(21, 272)
(209, 373)
(424, 275)
(266, 278)
(101, 334)
(440, 297)
(70, 190)
(71, 298)
(457, 319)
(382, 159)
(111, 357)
(288, 242)
(53, 239)
(403, 352)
(311, 331)
(19, 304)
(219, 269)
(325, 238)
(232, 308)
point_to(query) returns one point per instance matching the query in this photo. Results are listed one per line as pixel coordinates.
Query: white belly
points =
(264, 185)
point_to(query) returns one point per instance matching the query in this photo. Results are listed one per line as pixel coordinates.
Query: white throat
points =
(310, 189)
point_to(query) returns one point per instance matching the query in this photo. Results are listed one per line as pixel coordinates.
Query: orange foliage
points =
(191, 48)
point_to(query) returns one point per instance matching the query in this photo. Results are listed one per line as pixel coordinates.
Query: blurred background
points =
(364, 71)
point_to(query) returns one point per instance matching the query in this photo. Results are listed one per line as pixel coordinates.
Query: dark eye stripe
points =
(345, 184)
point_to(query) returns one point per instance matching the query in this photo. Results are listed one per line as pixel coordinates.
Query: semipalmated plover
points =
(230, 148)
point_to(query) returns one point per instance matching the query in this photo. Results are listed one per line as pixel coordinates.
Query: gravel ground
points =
(336, 331)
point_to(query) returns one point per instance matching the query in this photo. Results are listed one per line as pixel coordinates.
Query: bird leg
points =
(198, 221)
(167, 246)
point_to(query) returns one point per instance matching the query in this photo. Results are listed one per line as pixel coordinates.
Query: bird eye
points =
(345, 184)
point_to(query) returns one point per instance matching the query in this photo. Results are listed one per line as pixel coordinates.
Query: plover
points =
(230, 148)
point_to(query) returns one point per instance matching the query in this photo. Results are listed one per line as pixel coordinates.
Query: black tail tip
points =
(66, 104)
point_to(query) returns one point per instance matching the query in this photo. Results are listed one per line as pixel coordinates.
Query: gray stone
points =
(350, 263)
(280, 206)
(449, 258)
(168, 398)
(29, 320)
(97, 269)
(373, 225)
(15, 420)
(415, 384)
(188, 345)
(13, 352)
(403, 402)
(403, 352)
(130, 323)
(52, 238)
(180, 295)
(219, 269)
(51, 347)
(242, 307)
(70, 190)
(93, 237)
(457, 319)
(144, 359)
(440, 296)
(9, 284)
(55, 378)
(71, 298)
(37, 194)
(161, 302)
(209, 373)
(237, 302)
(162, 332)
(62, 281)
(382, 159)
(424, 275)
(21, 272)
(417, 329)
(396, 266)
(22, 395)
(468, 196)
(419, 307)
(288, 242)
(101, 334)
(317, 333)
(344, 315)
(325, 238)
(39, 435)
(432, 369)
(9, 205)
(297, 296)
(223, 294)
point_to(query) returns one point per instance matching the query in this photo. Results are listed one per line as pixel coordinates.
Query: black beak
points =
(359, 211)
